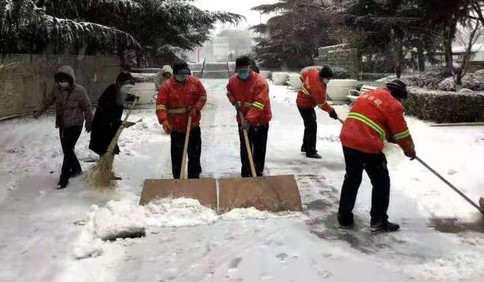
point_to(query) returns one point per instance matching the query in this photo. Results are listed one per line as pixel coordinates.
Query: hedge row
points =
(448, 107)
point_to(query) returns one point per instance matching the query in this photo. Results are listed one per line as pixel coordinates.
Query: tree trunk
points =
(421, 59)
(449, 35)
(398, 58)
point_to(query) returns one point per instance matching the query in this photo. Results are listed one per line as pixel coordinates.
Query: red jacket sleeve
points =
(260, 101)
(230, 94)
(161, 101)
(202, 96)
(398, 127)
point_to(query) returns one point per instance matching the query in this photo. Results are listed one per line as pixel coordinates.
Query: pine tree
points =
(291, 38)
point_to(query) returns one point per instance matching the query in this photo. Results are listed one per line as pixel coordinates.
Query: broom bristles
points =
(101, 175)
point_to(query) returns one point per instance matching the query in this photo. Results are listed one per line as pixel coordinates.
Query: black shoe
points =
(345, 223)
(62, 183)
(303, 150)
(314, 156)
(385, 226)
(347, 226)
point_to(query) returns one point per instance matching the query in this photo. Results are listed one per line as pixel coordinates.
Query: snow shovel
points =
(270, 193)
(481, 201)
(204, 189)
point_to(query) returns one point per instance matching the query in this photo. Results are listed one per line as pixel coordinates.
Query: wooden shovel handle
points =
(247, 146)
(185, 148)
(114, 141)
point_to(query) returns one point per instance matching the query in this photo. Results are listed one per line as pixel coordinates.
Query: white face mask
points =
(125, 89)
(326, 80)
(63, 85)
(123, 94)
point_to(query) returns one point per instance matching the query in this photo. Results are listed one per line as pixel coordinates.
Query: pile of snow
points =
(177, 213)
(118, 219)
(126, 219)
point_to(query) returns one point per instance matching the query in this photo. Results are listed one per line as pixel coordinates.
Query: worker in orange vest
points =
(312, 94)
(181, 96)
(375, 117)
(248, 91)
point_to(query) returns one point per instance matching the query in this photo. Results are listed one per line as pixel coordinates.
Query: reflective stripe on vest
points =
(370, 123)
(256, 105)
(178, 111)
(304, 90)
(160, 107)
(402, 135)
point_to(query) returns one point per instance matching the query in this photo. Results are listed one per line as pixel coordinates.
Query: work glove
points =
(411, 154)
(333, 114)
(36, 114)
(167, 127)
(245, 125)
(193, 112)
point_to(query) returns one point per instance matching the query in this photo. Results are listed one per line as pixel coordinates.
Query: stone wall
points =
(28, 79)
(340, 56)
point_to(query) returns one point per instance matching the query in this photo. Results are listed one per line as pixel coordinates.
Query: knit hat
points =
(398, 89)
(124, 77)
(242, 62)
(326, 72)
(180, 66)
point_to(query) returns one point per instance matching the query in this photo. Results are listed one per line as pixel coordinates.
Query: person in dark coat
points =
(107, 118)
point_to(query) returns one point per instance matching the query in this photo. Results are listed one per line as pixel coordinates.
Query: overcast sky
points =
(236, 6)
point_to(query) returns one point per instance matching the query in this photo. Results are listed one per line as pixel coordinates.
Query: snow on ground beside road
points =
(441, 238)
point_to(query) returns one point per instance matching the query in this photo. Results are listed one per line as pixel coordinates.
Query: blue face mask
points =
(181, 77)
(243, 74)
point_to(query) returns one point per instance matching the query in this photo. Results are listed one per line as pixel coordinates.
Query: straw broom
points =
(101, 175)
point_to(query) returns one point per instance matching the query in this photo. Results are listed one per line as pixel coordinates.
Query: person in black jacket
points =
(107, 118)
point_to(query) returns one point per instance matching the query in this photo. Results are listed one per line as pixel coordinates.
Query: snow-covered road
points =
(42, 230)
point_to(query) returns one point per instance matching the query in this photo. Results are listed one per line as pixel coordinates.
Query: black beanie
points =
(326, 72)
(123, 77)
(178, 66)
(398, 89)
(242, 62)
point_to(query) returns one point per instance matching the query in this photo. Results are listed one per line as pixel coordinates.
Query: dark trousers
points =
(68, 138)
(375, 166)
(194, 151)
(258, 145)
(310, 131)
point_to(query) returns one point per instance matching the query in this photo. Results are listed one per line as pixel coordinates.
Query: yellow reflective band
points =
(161, 107)
(322, 105)
(305, 91)
(258, 105)
(370, 123)
(402, 135)
(177, 111)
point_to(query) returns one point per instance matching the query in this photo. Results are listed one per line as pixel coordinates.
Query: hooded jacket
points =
(72, 106)
(159, 79)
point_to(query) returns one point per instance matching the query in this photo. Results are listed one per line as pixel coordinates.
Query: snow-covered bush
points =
(340, 73)
(441, 106)
(473, 81)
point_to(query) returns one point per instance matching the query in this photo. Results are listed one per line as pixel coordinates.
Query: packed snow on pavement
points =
(57, 235)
